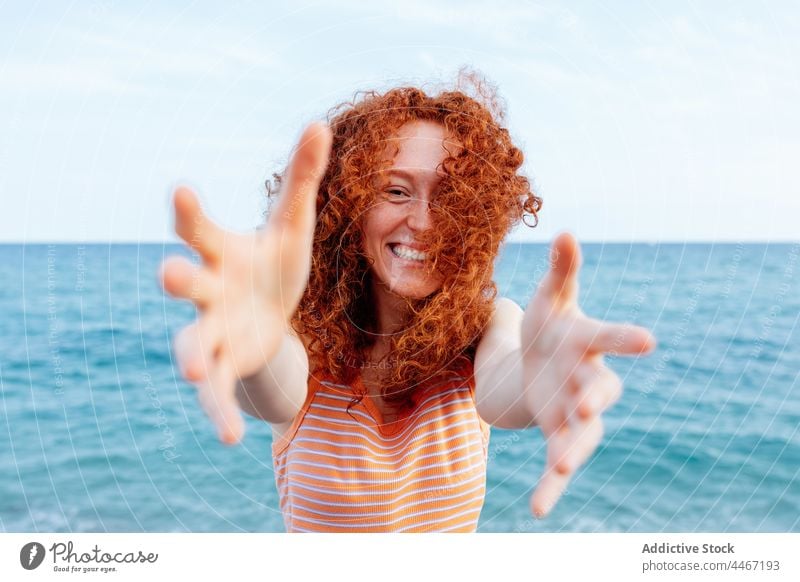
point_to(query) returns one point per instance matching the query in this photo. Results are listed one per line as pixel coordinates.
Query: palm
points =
(254, 298)
(248, 286)
(567, 385)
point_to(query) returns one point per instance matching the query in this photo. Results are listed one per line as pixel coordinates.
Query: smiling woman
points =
(363, 322)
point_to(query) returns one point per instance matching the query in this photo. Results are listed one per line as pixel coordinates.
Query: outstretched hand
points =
(247, 287)
(567, 385)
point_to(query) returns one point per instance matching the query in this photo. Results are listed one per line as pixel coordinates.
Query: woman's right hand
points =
(247, 287)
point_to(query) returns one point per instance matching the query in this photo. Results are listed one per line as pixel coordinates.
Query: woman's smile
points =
(407, 254)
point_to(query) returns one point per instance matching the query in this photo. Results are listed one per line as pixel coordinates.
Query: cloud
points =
(144, 62)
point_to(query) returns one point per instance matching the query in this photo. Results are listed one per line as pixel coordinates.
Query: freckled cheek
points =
(379, 224)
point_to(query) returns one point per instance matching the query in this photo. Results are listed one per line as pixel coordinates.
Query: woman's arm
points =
(498, 370)
(277, 391)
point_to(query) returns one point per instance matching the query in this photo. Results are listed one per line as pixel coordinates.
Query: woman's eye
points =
(397, 193)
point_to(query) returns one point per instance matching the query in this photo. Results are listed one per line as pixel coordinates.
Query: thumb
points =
(296, 206)
(561, 283)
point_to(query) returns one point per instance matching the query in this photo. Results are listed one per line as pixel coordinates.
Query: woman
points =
(362, 321)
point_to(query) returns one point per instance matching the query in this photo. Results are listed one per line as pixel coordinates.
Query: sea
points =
(98, 433)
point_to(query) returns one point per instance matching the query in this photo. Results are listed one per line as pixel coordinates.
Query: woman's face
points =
(401, 211)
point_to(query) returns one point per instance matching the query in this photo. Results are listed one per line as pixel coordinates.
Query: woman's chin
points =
(411, 289)
(415, 294)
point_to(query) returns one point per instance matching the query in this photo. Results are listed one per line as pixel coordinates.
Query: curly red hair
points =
(482, 195)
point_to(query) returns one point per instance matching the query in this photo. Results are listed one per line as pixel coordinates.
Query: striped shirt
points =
(426, 471)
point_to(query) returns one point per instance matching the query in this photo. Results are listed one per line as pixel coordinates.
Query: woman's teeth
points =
(407, 253)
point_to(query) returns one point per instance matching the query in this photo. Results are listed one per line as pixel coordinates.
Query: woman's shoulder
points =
(306, 339)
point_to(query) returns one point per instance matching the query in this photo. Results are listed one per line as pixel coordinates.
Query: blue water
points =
(97, 433)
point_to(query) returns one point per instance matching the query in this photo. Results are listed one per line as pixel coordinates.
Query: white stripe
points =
(344, 493)
(373, 432)
(470, 437)
(357, 525)
(419, 410)
(434, 443)
(375, 481)
(396, 451)
(418, 413)
(328, 467)
(391, 496)
(378, 449)
(471, 521)
(394, 510)
(478, 487)
(411, 421)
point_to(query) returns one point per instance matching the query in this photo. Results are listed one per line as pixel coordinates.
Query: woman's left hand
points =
(566, 384)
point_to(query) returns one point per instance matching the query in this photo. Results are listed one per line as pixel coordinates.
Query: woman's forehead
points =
(420, 146)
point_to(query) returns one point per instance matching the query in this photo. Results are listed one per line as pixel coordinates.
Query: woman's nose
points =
(420, 214)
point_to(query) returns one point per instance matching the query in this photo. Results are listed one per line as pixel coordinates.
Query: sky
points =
(640, 121)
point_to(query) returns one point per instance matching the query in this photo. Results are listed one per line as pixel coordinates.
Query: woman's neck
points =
(390, 312)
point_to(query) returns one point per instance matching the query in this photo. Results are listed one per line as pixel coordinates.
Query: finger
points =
(184, 280)
(296, 206)
(194, 348)
(561, 282)
(550, 488)
(553, 421)
(217, 397)
(566, 451)
(599, 388)
(194, 227)
(574, 447)
(615, 338)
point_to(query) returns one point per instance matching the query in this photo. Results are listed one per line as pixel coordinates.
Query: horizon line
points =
(178, 242)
